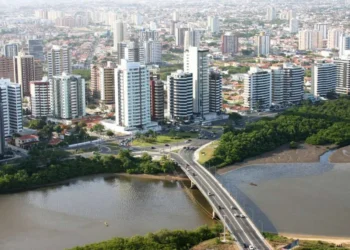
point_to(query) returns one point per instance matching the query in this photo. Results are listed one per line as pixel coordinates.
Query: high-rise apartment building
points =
(59, 60)
(262, 44)
(146, 35)
(2, 131)
(344, 46)
(152, 52)
(175, 16)
(11, 107)
(215, 91)
(6, 68)
(334, 37)
(324, 79)
(132, 52)
(121, 51)
(67, 96)
(293, 25)
(257, 89)
(277, 84)
(24, 71)
(180, 96)
(107, 84)
(293, 83)
(310, 39)
(271, 13)
(119, 33)
(157, 98)
(196, 62)
(343, 75)
(137, 19)
(323, 28)
(180, 36)
(229, 43)
(192, 38)
(213, 24)
(95, 81)
(36, 49)
(132, 100)
(38, 70)
(40, 98)
(11, 50)
(173, 26)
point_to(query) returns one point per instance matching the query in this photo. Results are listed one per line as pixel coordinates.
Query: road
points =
(242, 230)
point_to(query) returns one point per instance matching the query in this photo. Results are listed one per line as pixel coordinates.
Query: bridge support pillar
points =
(214, 215)
(193, 185)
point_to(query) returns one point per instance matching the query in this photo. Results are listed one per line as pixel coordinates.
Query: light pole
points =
(224, 240)
(262, 226)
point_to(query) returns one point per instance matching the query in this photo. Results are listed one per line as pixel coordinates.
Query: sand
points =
(334, 240)
(341, 155)
(305, 153)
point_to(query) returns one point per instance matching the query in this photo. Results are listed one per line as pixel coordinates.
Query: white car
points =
(235, 215)
(242, 216)
(251, 247)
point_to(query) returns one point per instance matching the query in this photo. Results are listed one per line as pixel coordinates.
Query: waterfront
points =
(295, 198)
(74, 214)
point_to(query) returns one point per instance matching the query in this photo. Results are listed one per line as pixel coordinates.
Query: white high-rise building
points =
(213, 24)
(11, 50)
(175, 16)
(324, 79)
(257, 89)
(40, 98)
(180, 36)
(262, 44)
(119, 33)
(192, 39)
(145, 35)
(229, 43)
(293, 25)
(59, 60)
(323, 28)
(310, 39)
(132, 96)
(67, 96)
(11, 100)
(196, 62)
(291, 14)
(344, 46)
(215, 91)
(277, 84)
(152, 52)
(179, 96)
(343, 75)
(334, 36)
(36, 49)
(153, 26)
(138, 19)
(271, 13)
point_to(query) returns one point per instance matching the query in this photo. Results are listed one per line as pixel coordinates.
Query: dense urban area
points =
(172, 90)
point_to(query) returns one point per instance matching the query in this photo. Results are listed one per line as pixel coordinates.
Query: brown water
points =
(69, 215)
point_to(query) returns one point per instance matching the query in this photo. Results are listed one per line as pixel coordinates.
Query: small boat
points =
(253, 184)
(106, 224)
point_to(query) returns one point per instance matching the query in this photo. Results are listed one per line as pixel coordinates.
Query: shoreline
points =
(103, 175)
(283, 154)
(306, 237)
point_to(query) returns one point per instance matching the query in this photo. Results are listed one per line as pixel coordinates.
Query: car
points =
(185, 147)
(193, 174)
(189, 140)
(242, 216)
(235, 215)
(219, 207)
(210, 194)
(251, 247)
(232, 207)
(167, 145)
(153, 148)
(245, 245)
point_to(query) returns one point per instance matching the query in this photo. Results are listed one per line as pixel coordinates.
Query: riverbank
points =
(341, 155)
(305, 153)
(165, 177)
(334, 240)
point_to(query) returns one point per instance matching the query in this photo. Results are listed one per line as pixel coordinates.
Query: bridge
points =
(241, 228)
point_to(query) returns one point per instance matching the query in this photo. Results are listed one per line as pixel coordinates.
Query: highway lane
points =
(240, 227)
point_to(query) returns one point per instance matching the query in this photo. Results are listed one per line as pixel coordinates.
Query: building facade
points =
(157, 98)
(196, 62)
(293, 83)
(257, 89)
(192, 38)
(132, 100)
(324, 79)
(343, 75)
(152, 52)
(59, 60)
(213, 24)
(334, 36)
(310, 39)
(271, 13)
(36, 49)
(215, 91)
(179, 96)
(293, 25)
(95, 81)
(119, 33)
(262, 44)
(107, 84)
(229, 43)
(24, 71)
(40, 98)
(67, 96)
(344, 46)
(11, 50)
(6, 68)
(11, 107)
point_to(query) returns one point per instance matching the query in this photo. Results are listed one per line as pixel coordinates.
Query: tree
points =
(98, 128)
(109, 133)
(37, 124)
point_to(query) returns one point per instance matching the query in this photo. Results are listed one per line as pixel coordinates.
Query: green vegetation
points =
(207, 153)
(36, 124)
(278, 240)
(319, 124)
(171, 137)
(308, 73)
(236, 70)
(162, 240)
(167, 70)
(51, 166)
(85, 73)
(170, 57)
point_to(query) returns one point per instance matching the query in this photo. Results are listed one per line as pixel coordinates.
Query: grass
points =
(82, 150)
(207, 153)
(113, 145)
(164, 139)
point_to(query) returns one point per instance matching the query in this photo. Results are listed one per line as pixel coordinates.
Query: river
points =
(299, 198)
(74, 214)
